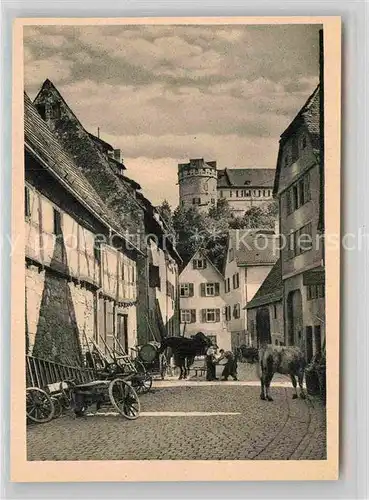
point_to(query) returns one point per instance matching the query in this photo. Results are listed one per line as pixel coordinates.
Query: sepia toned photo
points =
(175, 246)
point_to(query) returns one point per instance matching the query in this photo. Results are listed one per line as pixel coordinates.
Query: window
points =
(295, 197)
(237, 193)
(154, 276)
(213, 201)
(196, 201)
(315, 291)
(236, 280)
(221, 194)
(230, 255)
(186, 289)
(298, 194)
(320, 291)
(209, 289)
(57, 222)
(300, 241)
(41, 108)
(97, 253)
(27, 202)
(230, 193)
(188, 315)
(247, 183)
(199, 264)
(210, 315)
(303, 142)
(227, 285)
(301, 200)
(236, 311)
(228, 313)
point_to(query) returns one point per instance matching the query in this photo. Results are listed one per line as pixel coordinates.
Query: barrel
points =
(149, 352)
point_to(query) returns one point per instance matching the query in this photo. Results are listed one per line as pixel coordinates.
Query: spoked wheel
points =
(144, 384)
(140, 367)
(124, 399)
(39, 405)
(58, 407)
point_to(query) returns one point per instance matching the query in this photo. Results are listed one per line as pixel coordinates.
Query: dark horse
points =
(185, 349)
(285, 360)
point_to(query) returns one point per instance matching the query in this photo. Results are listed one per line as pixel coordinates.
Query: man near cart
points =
(230, 367)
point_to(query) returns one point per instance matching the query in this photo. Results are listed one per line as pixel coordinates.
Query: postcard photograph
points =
(172, 248)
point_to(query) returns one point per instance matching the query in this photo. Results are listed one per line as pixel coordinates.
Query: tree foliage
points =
(209, 231)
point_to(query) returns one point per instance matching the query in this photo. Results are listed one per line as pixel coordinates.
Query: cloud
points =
(259, 108)
(164, 93)
(53, 68)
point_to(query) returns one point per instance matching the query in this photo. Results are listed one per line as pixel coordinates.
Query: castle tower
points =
(198, 184)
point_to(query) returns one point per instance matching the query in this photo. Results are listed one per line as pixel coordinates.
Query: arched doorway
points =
(294, 318)
(263, 326)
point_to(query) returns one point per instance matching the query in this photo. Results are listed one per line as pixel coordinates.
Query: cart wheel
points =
(58, 408)
(124, 398)
(144, 385)
(140, 367)
(39, 405)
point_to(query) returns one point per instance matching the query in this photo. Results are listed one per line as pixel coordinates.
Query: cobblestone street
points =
(193, 420)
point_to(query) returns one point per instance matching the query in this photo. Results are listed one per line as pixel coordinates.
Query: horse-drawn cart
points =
(45, 401)
(151, 359)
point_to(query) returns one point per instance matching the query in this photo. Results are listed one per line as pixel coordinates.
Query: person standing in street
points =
(210, 363)
(230, 367)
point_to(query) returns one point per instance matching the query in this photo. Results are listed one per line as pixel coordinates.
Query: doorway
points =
(122, 331)
(294, 318)
(263, 326)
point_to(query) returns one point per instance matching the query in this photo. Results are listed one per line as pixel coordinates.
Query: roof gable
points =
(42, 143)
(200, 254)
(271, 290)
(93, 162)
(253, 247)
(308, 117)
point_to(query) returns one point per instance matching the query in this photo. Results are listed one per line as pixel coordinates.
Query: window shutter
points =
(202, 289)
(190, 289)
(203, 315)
(193, 315)
(204, 264)
(217, 288)
(307, 194)
(217, 315)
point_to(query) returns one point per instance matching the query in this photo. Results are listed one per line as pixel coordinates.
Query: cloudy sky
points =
(164, 94)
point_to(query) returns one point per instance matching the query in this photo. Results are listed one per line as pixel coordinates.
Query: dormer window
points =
(247, 183)
(55, 111)
(41, 110)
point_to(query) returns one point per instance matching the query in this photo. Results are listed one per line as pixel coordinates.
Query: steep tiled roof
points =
(40, 141)
(241, 177)
(254, 247)
(309, 115)
(92, 159)
(271, 289)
